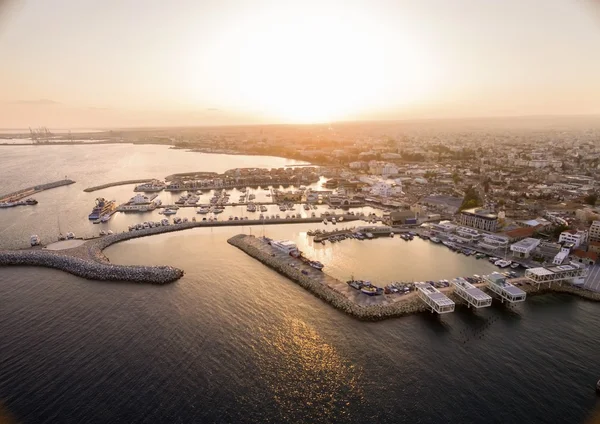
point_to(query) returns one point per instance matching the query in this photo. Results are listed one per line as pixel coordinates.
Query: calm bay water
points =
(234, 341)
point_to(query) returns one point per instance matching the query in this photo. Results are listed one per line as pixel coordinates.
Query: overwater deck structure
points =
(471, 294)
(434, 299)
(498, 284)
(555, 274)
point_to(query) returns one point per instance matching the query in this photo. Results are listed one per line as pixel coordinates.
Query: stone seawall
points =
(564, 288)
(91, 269)
(88, 260)
(117, 183)
(255, 248)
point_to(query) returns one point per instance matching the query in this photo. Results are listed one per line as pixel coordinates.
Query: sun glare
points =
(314, 65)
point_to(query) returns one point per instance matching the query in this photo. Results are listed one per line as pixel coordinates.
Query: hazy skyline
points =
(70, 63)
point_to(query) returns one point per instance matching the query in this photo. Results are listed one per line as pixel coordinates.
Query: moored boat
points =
(34, 240)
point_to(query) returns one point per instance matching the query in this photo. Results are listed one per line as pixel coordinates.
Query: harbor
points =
(376, 303)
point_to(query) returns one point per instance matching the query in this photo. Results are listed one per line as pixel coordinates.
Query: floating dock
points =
(471, 294)
(434, 299)
(498, 284)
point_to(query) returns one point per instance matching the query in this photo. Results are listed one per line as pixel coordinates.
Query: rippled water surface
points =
(233, 341)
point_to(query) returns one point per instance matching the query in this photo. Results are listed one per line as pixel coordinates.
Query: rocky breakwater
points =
(562, 288)
(88, 261)
(327, 288)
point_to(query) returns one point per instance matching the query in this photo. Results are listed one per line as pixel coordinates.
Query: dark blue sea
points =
(235, 342)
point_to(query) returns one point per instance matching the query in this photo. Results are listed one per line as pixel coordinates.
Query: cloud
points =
(212, 109)
(36, 102)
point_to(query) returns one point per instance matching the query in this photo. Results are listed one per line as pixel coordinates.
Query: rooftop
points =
(540, 272)
(527, 243)
(520, 232)
(587, 255)
(481, 212)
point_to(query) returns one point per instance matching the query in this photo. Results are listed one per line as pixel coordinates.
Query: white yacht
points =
(203, 210)
(251, 207)
(263, 208)
(169, 211)
(70, 235)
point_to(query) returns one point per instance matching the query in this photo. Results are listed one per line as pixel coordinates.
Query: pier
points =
(471, 294)
(117, 183)
(435, 300)
(331, 290)
(555, 274)
(29, 191)
(497, 283)
(88, 261)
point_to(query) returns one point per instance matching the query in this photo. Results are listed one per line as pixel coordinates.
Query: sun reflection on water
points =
(308, 373)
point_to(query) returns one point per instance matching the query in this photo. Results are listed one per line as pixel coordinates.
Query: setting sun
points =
(298, 67)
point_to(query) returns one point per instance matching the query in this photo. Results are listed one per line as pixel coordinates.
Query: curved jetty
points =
(88, 261)
(335, 292)
(118, 183)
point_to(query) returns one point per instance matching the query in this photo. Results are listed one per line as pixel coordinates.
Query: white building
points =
(384, 189)
(523, 248)
(577, 237)
(595, 231)
(357, 165)
(389, 169)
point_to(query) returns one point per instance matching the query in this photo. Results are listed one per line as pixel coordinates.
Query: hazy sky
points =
(84, 63)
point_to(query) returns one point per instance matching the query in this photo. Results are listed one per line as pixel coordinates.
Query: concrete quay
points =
(335, 292)
(339, 295)
(29, 191)
(117, 183)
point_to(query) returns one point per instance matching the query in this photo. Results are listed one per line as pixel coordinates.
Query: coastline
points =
(332, 292)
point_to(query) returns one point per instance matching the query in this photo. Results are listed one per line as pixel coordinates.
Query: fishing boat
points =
(370, 290)
(316, 265)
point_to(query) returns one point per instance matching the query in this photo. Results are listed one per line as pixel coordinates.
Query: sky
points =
(121, 63)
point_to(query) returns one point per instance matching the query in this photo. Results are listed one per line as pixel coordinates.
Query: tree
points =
(429, 175)
(455, 178)
(471, 199)
(559, 229)
(591, 199)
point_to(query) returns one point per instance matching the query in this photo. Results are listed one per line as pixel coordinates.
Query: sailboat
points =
(60, 234)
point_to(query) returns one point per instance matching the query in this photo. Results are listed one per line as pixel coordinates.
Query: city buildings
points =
(577, 237)
(523, 248)
(479, 218)
(594, 234)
